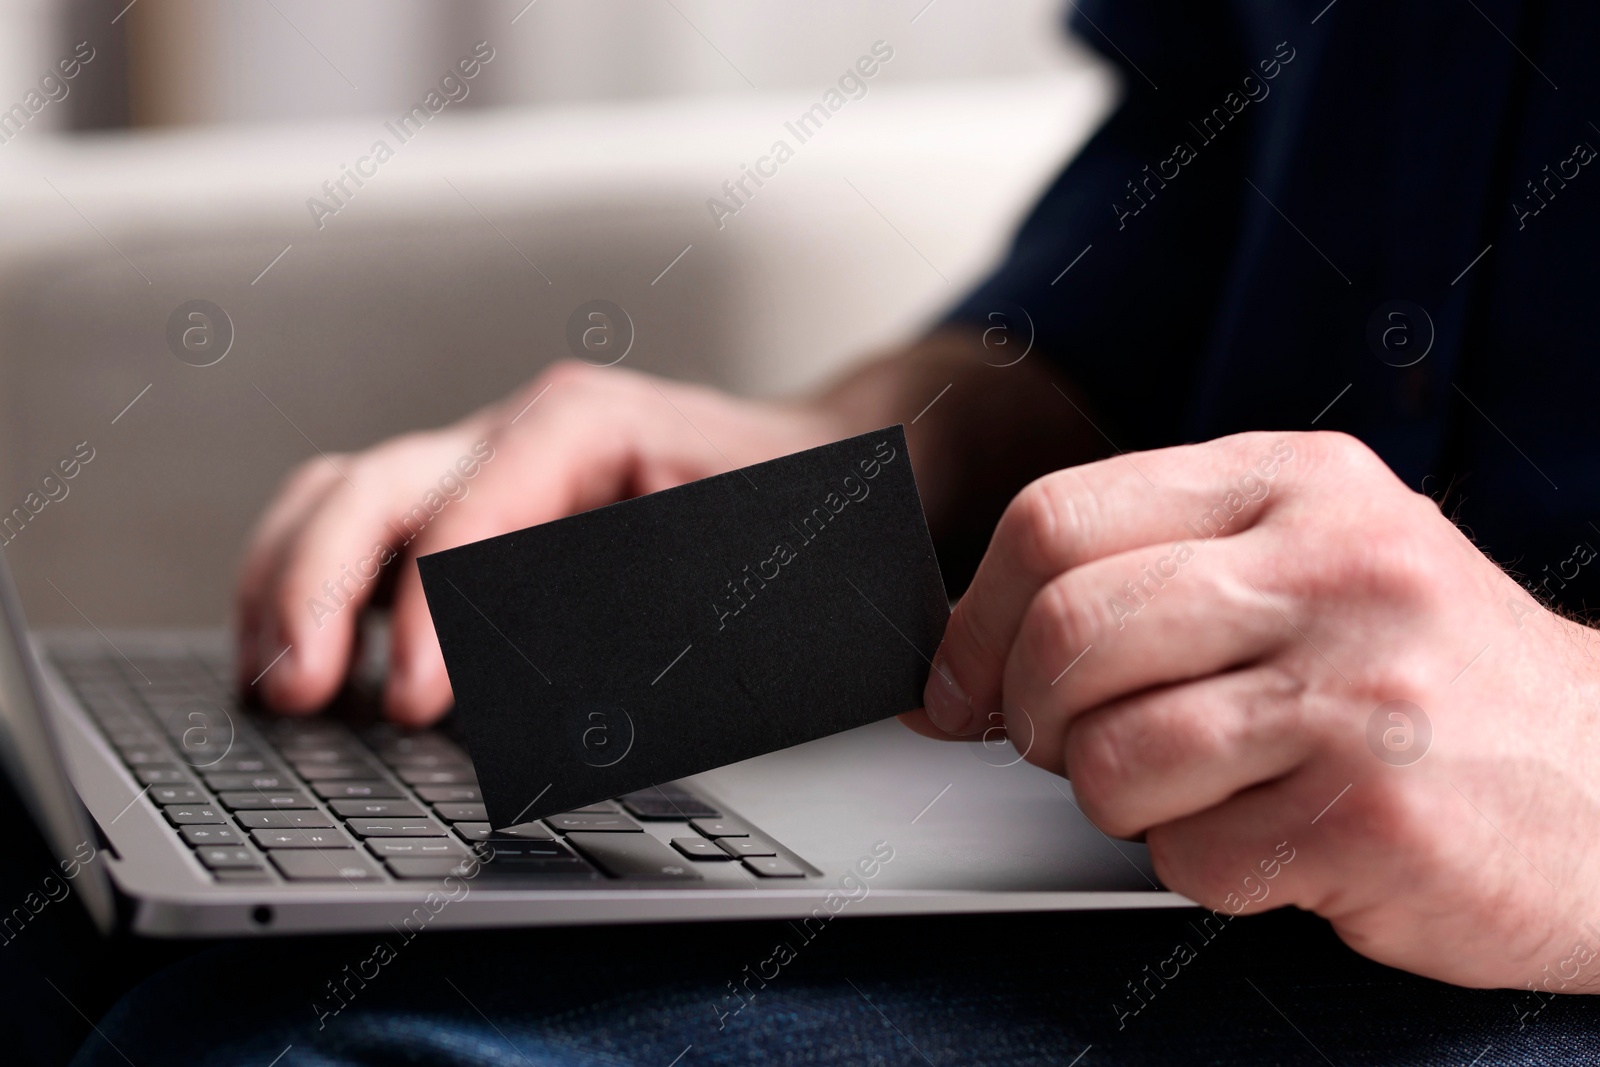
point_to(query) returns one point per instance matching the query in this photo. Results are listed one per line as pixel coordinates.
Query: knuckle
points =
(1339, 449)
(1392, 565)
(304, 476)
(570, 373)
(1041, 521)
(1099, 759)
(565, 372)
(378, 464)
(1398, 817)
(1115, 754)
(1406, 677)
(1062, 620)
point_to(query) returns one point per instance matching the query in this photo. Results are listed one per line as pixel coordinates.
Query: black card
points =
(692, 628)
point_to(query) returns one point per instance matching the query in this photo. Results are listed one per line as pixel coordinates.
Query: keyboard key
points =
(138, 755)
(199, 749)
(473, 831)
(578, 821)
(397, 828)
(164, 776)
(316, 734)
(450, 794)
(203, 751)
(501, 850)
(668, 802)
(356, 809)
(436, 867)
(327, 756)
(242, 874)
(745, 846)
(185, 814)
(303, 759)
(219, 858)
(306, 838)
(392, 748)
(125, 723)
(720, 827)
(130, 736)
(354, 790)
(773, 867)
(324, 865)
(308, 734)
(671, 791)
(535, 831)
(231, 780)
(667, 808)
(632, 856)
(204, 834)
(699, 848)
(416, 846)
(461, 812)
(241, 765)
(257, 801)
(438, 776)
(283, 820)
(604, 807)
(333, 772)
(536, 874)
(177, 794)
(439, 760)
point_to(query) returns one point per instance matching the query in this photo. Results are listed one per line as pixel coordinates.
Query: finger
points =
(330, 568)
(589, 469)
(1253, 853)
(417, 689)
(332, 562)
(1071, 517)
(1172, 752)
(1093, 635)
(263, 558)
(919, 723)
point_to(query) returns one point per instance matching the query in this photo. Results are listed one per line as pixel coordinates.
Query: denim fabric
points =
(975, 991)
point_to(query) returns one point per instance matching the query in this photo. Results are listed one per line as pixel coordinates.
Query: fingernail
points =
(947, 704)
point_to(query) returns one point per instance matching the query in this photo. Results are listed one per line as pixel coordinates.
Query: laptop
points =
(175, 810)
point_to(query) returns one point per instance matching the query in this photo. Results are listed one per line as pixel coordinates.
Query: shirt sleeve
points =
(1144, 218)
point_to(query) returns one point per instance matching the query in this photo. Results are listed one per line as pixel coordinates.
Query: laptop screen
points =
(32, 761)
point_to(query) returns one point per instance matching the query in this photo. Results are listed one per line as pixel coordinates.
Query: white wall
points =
(248, 60)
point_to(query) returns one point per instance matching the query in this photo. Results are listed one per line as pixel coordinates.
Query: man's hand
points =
(574, 439)
(579, 437)
(1210, 642)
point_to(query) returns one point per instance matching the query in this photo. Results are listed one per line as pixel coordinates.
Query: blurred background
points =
(163, 156)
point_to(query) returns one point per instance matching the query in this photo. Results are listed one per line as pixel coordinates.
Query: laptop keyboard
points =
(260, 798)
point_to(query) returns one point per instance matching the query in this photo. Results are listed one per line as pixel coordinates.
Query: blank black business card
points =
(691, 628)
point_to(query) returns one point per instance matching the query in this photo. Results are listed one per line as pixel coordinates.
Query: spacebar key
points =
(633, 856)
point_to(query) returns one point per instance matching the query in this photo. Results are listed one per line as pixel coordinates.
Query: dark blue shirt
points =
(1297, 197)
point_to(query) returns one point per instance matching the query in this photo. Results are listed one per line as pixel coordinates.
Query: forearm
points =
(991, 430)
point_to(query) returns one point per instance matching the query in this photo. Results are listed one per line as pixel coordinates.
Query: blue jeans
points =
(1012, 990)
(974, 990)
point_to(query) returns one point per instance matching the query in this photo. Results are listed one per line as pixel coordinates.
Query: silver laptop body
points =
(175, 812)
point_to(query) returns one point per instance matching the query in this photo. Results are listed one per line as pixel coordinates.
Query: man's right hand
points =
(575, 438)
